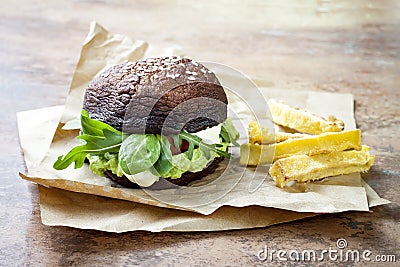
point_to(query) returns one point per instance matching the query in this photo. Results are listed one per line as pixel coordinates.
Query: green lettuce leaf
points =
(181, 163)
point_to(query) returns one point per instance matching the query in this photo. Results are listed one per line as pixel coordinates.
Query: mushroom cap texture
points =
(157, 95)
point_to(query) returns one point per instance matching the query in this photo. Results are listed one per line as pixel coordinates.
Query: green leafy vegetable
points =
(196, 141)
(181, 163)
(74, 124)
(139, 152)
(228, 133)
(109, 148)
(164, 163)
(110, 142)
(97, 138)
(95, 127)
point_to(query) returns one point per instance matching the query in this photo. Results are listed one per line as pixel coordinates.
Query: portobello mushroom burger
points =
(154, 118)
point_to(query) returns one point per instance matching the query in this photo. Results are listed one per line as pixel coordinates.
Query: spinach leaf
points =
(164, 163)
(138, 153)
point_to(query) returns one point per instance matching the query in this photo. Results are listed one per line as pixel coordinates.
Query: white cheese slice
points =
(144, 179)
(210, 135)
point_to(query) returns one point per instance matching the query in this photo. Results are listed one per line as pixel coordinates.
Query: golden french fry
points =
(301, 120)
(259, 134)
(262, 135)
(252, 154)
(303, 168)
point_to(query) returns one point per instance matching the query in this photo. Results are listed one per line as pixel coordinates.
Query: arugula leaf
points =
(195, 140)
(98, 138)
(94, 127)
(111, 142)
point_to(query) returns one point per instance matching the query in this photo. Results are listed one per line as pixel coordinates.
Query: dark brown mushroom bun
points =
(158, 117)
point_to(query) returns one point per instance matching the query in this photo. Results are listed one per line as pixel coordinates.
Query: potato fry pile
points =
(320, 148)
